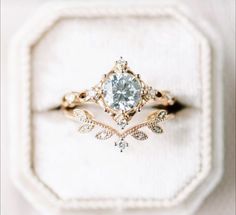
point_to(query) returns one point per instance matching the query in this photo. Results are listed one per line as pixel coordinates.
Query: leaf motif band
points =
(88, 123)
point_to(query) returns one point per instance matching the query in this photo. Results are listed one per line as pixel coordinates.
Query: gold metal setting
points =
(72, 102)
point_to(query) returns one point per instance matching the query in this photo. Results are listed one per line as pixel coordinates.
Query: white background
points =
(222, 15)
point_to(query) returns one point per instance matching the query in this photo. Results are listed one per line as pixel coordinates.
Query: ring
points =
(121, 93)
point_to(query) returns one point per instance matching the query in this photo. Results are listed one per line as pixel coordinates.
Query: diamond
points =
(122, 91)
(121, 120)
(152, 93)
(70, 98)
(92, 94)
(171, 99)
(121, 65)
(122, 144)
(122, 123)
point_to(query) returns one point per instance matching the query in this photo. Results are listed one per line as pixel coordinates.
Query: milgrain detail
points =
(45, 21)
(130, 96)
(88, 123)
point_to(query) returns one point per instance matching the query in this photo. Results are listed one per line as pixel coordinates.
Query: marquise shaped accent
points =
(104, 135)
(86, 128)
(139, 135)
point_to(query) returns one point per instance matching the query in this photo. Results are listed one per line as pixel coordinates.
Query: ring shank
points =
(75, 99)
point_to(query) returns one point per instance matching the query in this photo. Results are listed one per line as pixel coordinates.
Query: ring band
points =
(121, 93)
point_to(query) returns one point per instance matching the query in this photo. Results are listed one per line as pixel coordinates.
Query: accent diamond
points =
(121, 121)
(92, 94)
(121, 65)
(70, 98)
(122, 144)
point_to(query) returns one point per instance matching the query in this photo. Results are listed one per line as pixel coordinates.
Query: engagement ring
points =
(121, 93)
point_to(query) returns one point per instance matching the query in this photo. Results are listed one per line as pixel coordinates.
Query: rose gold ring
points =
(121, 93)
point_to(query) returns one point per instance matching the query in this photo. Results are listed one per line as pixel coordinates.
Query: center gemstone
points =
(122, 91)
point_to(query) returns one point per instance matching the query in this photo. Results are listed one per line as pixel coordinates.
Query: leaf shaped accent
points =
(86, 128)
(154, 127)
(80, 115)
(161, 116)
(103, 135)
(139, 135)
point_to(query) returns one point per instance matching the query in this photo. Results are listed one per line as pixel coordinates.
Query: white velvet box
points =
(67, 47)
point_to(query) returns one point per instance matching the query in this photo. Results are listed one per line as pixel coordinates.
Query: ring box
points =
(67, 47)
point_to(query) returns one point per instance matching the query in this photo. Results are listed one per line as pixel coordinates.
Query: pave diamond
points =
(122, 91)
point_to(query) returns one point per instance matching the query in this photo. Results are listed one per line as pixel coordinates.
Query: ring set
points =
(121, 93)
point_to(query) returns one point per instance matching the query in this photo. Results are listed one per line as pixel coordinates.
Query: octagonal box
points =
(67, 47)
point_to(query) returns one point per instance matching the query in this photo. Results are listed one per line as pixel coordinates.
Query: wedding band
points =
(121, 93)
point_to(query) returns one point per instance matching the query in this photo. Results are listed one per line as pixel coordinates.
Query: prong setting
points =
(122, 94)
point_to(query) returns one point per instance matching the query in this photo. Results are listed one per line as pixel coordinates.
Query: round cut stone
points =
(122, 91)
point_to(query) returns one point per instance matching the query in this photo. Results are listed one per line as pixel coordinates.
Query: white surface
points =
(80, 166)
(146, 186)
(15, 213)
(22, 151)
